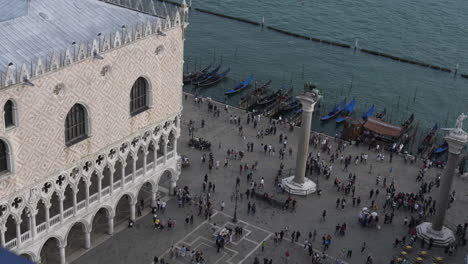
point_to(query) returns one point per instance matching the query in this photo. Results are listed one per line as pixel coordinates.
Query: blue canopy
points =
(10, 258)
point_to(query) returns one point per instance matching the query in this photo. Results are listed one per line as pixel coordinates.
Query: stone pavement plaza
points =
(141, 243)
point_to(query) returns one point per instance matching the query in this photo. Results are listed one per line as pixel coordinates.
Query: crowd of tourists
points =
(329, 157)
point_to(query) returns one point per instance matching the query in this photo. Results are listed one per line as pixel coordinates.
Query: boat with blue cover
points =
(369, 113)
(240, 86)
(346, 112)
(335, 111)
(442, 148)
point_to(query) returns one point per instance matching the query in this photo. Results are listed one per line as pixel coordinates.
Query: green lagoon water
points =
(429, 31)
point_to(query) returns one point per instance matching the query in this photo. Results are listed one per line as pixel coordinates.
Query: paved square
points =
(202, 238)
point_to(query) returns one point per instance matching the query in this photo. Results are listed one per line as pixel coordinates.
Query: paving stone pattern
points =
(142, 243)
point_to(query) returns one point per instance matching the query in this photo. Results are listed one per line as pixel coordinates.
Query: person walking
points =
(324, 214)
(363, 247)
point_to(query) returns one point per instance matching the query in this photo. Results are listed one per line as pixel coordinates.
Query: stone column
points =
(2, 236)
(135, 157)
(172, 187)
(456, 144)
(132, 211)
(122, 181)
(298, 184)
(18, 233)
(87, 193)
(304, 135)
(62, 255)
(75, 203)
(175, 146)
(112, 171)
(87, 240)
(61, 198)
(47, 217)
(145, 154)
(165, 151)
(110, 221)
(436, 230)
(99, 184)
(33, 224)
(154, 197)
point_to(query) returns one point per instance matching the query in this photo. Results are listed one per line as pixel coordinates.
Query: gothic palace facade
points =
(91, 116)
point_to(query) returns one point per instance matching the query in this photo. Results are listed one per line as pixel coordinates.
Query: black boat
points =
(381, 115)
(252, 97)
(207, 76)
(408, 122)
(270, 98)
(215, 79)
(189, 78)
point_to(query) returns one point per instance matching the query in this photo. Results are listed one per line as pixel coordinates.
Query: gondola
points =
(252, 97)
(335, 111)
(240, 86)
(291, 106)
(346, 112)
(430, 136)
(381, 115)
(189, 78)
(408, 122)
(216, 79)
(369, 113)
(206, 77)
(442, 148)
(270, 98)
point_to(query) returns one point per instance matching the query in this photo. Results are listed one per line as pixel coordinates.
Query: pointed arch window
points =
(5, 159)
(9, 114)
(76, 125)
(139, 96)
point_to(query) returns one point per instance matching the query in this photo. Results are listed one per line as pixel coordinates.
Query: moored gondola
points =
(240, 86)
(442, 148)
(206, 77)
(252, 97)
(381, 115)
(189, 78)
(214, 80)
(369, 113)
(346, 112)
(335, 111)
(269, 98)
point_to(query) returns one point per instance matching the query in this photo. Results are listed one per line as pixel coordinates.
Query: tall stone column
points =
(47, 216)
(62, 255)
(61, 198)
(165, 151)
(112, 171)
(132, 211)
(110, 222)
(2, 236)
(75, 202)
(88, 239)
(436, 230)
(18, 233)
(33, 223)
(122, 180)
(299, 184)
(145, 161)
(154, 197)
(135, 158)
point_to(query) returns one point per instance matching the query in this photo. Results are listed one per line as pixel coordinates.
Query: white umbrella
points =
(365, 209)
(374, 213)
